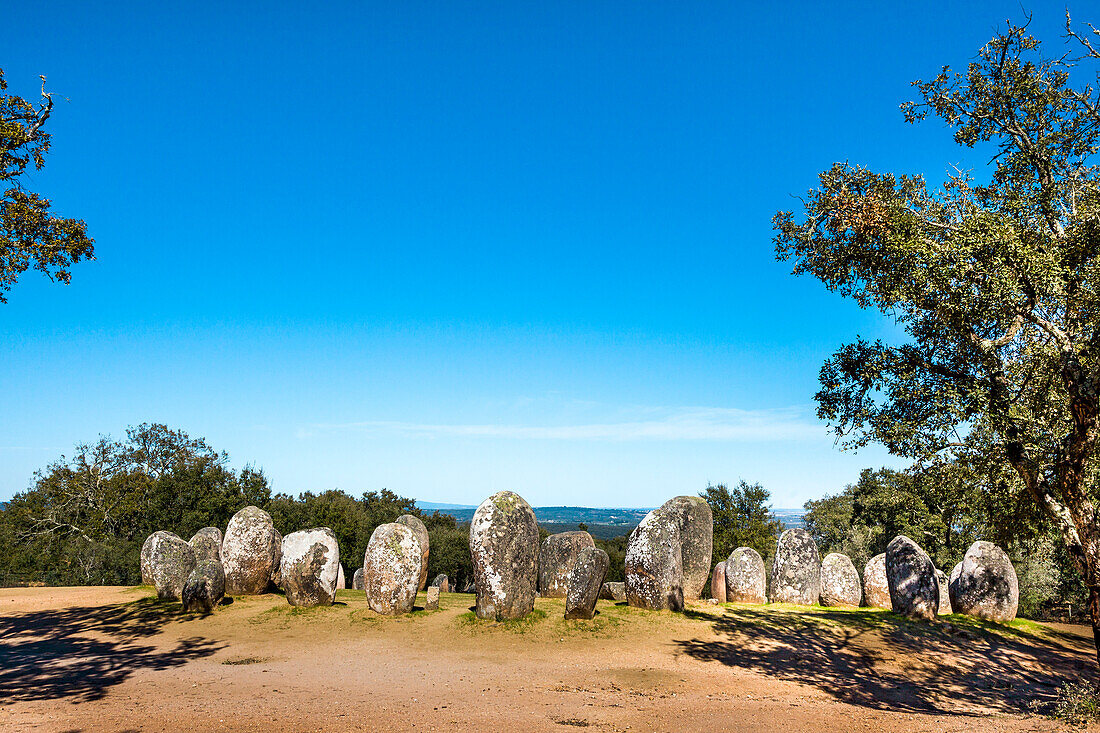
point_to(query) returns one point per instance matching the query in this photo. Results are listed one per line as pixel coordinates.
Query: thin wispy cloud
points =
(659, 424)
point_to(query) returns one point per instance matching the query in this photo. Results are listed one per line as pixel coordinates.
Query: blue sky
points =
(454, 248)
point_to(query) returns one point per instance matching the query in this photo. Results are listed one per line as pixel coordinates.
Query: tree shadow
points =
(79, 653)
(954, 666)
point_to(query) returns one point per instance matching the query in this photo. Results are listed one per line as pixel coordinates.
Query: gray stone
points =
(309, 568)
(796, 572)
(718, 583)
(944, 607)
(250, 552)
(876, 589)
(146, 560)
(432, 602)
(276, 566)
(421, 533)
(341, 581)
(614, 591)
(357, 580)
(205, 587)
(746, 578)
(442, 582)
(585, 582)
(207, 544)
(696, 525)
(914, 591)
(654, 564)
(504, 547)
(986, 585)
(557, 556)
(391, 569)
(839, 581)
(171, 560)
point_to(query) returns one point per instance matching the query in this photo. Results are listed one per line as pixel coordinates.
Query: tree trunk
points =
(1094, 614)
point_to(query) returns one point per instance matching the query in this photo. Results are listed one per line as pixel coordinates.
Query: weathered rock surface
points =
(613, 591)
(654, 564)
(504, 546)
(432, 602)
(421, 533)
(250, 552)
(341, 582)
(839, 581)
(276, 566)
(986, 586)
(207, 544)
(205, 587)
(718, 582)
(746, 578)
(914, 591)
(171, 560)
(796, 572)
(442, 582)
(585, 582)
(357, 580)
(309, 568)
(944, 607)
(876, 589)
(391, 569)
(696, 525)
(557, 556)
(146, 560)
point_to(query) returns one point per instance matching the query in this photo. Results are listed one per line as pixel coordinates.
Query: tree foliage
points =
(30, 233)
(742, 518)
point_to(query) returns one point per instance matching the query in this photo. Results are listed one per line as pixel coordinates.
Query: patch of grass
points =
(244, 660)
(470, 620)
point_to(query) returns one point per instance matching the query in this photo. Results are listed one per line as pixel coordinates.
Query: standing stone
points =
(876, 589)
(341, 582)
(746, 578)
(953, 585)
(309, 568)
(171, 560)
(718, 583)
(504, 545)
(276, 567)
(986, 586)
(944, 607)
(146, 559)
(696, 525)
(839, 581)
(207, 544)
(911, 575)
(585, 582)
(357, 580)
(432, 602)
(558, 555)
(796, 572)
(442, 582)
(421, 533)
(250, 552)
(391, 569)
(205, 587)
(614, 591)
(654, 564)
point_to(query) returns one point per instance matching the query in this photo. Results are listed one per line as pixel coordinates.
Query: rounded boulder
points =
(613, 591)
(876, 589)
(986, 586)
(914, 591)
(357, 580)
(839, 581)
(205, 587)
(391, 569)
(421, 533)
(442, 582)
(695, 522)
(718, 582)
(207, 544)
(584, 583)
(796, 572)
(171, 561)
(746, 578)
(557, 556)
(309, 567)
(504, 547)
(250, 552)
(654, 564)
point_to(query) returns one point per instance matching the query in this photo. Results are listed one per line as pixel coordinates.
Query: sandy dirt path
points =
(115, 659)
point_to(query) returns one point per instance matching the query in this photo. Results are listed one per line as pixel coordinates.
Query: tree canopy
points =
(742, 518)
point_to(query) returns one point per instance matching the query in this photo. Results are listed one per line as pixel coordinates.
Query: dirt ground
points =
(116, 659)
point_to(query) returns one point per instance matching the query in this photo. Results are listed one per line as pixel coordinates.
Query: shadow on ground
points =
(79, 653)
(956, 665)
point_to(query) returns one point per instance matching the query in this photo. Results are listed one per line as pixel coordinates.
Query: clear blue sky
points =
(453, 248)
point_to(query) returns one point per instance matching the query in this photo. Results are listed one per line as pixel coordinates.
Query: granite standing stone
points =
(309, 568)
(986, 586)
(876, 589)
(432, 601)
(613, 591)
(442, 582)
(796, 572)
(654, 564)
(357, 580)
(146, 559)
(944, 607)
(341, 581)
(250, 552)
(205, 587)
(391, 569)
(746, 578)
(557, 556)
(207, 544)
(839, 581)
(421, 533)
(914, 591)
(171, 560)
(585, 582)
(718, 583)
(695, 522)
(504, 547)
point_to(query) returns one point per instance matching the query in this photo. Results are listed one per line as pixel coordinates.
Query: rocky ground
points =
(116, 659)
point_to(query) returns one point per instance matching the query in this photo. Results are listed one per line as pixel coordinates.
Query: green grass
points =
(469, 620)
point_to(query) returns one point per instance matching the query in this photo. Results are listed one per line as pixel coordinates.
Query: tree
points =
(30, 234)
(996, 284)
(742, 518)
